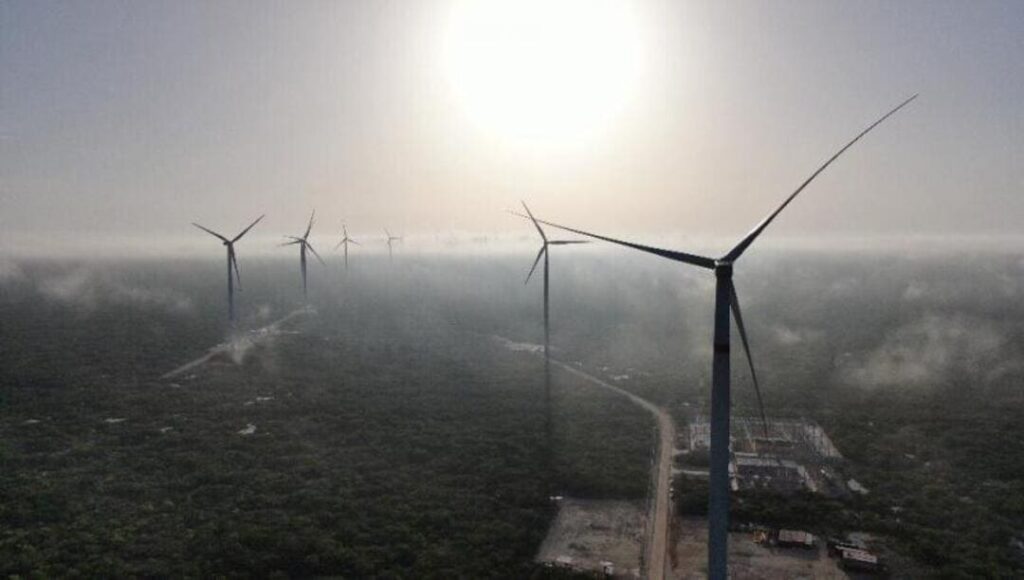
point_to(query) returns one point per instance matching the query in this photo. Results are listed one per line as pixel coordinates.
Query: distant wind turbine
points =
(389, 240)
(304, 245)
(545, 243)
(726, 301)
(345, 241)
(233, 274)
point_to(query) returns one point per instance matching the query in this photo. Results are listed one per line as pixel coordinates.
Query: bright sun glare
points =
(542, 71)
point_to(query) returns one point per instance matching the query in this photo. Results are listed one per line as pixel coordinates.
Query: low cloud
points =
(72, 287)
(915, 291)
(264, 312)
(792, 336)
(929, 351)
(10, 271)
(82, 288)
(844, 288)
(239, 347)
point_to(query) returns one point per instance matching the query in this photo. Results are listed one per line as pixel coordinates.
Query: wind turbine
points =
(544, 253)
(304, 245)
(390, 239)
(545, 242)
(345, 241)
(232, 263)
(726, 300)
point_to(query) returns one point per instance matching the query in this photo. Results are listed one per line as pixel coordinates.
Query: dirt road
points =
(655, 560)
(226, 347)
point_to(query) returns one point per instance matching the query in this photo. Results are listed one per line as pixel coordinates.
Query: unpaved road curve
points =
(656, 562)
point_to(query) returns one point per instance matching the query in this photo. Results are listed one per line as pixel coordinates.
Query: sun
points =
(543, 71)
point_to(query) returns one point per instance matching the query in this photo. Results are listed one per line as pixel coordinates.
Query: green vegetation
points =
(385, 445)
(946, 474)
(946, 481)
(402, 441)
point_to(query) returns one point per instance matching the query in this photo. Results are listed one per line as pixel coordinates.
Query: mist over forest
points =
(413, 411)
(817, 322)
(394, 382)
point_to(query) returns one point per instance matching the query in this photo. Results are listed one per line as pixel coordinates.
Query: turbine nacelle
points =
(545, 241)
(345, 239)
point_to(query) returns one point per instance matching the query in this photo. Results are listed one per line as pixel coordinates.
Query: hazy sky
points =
(119, 119)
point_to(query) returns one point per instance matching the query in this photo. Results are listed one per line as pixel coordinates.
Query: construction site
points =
(603, 537)
(783, 455)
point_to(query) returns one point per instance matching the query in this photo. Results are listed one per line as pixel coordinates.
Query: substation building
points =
(789, 455)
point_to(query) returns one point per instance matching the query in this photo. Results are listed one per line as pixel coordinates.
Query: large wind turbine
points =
(389, 240)
(232, 263)
(304, 245)
(726, 300)
(345, 241)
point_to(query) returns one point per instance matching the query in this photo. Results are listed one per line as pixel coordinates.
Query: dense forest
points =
(368, 439)
(945, 481)
(386, 434)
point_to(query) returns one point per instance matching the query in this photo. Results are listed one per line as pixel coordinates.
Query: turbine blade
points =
(246, 230)
(319, 259)
(534, 220)
(567, 242)
(354, 242)
(691, 259)
(738, 316)
(309, 228)
(749, 239)
(211, 232)
(535, 262)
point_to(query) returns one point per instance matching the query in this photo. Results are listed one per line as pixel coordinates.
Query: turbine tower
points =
(232, 263)
(304, 245)
(726, 301)
(345, 241)
(389, 240)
